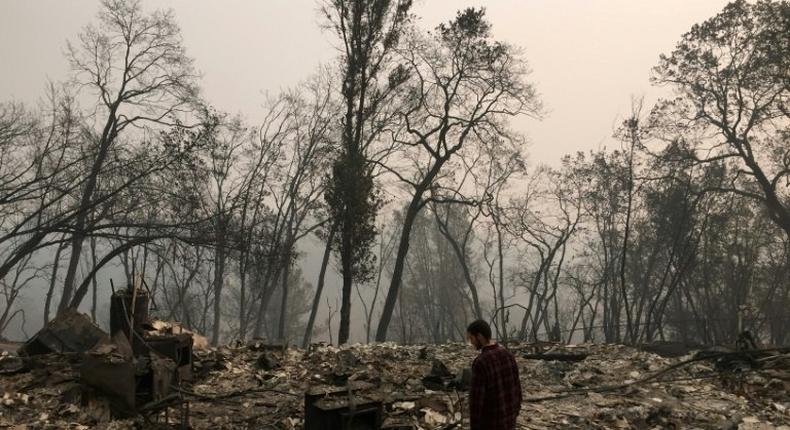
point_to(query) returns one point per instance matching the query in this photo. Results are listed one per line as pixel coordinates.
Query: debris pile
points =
(388, 386)
(134, 372)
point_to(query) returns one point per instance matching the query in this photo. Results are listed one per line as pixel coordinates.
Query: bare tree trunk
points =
(244, 259)
(522, 334)
(53, 279)
(219, 280)
(281, 326)
(93, 278)
(329, 320)
(460, 254)
(529, 316)
(404, 337)
(501, 257)
(242, 299)
(630, 329)
(266, 294)
(397, 275)
(415, 205)
(369, 316)
(281, 329)
(11, 292)
(78, 237)
(345, 304)
(308, 333)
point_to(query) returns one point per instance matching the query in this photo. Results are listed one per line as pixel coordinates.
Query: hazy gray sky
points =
(588, 56)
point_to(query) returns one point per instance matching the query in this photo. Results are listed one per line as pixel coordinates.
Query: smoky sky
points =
(588, 57)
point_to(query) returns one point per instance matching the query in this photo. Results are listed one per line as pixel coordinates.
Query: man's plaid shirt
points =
(495, 394)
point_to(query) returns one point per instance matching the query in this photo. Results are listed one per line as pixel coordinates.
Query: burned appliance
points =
(68, 332)
(340, 409)
(138, 367)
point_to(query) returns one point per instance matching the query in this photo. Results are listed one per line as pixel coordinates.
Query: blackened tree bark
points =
(319, 289)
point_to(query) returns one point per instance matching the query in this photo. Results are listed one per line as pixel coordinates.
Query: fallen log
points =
(668, 349)
(557, 356)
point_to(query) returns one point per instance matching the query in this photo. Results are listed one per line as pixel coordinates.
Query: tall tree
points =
(224, 190)
(603, 186)
(41, 168)
(732, 76)
(463, 88)
(369, 30)
(545, 219)
(136, 66)
(301, 133)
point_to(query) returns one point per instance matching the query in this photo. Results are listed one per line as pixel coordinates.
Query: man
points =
(495, 393)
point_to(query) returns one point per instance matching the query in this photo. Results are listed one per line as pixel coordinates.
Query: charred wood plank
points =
(557, 356)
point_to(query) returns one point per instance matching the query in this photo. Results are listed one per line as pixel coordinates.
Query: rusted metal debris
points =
(147, 363)
(109, 368)
(340, 409)
(177, 348)
(129, 314)
(125, 374)
(70, 331)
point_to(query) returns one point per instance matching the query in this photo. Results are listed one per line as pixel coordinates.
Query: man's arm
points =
(477, 394)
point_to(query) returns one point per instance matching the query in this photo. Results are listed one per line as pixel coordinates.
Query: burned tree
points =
(463, 87)
(369, 31)
(545, 219)
(299, 129)
(136, 66)
(731, 74)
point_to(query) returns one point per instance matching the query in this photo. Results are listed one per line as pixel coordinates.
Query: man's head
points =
(478, 334)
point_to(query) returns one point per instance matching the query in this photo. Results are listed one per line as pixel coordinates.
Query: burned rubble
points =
(110, 385)
(154, 374)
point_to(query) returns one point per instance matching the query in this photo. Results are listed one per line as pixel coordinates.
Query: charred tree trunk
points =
(219, 280)
(281, 327)
(78, 237)
(403, 249)
(461, 255)
(308, 334)
(345, 300)
(93, 279)
(53, 280)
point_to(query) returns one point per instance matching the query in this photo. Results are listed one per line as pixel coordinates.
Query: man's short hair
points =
(479, 327)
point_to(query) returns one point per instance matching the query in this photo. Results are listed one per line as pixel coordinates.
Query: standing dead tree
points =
(545, 221)
(223, 189)
(461, 241)
(136, 66)
(462, 88)
(731, 75)
(311, 149)
(387, 240)
(40, 171)
(486, 174)
(303, 136)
